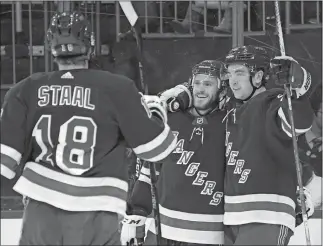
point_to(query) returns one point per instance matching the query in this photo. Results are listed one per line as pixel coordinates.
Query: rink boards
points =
(11, 225)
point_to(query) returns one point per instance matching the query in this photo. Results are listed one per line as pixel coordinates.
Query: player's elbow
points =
(302, 124)
(288, 130)
(6, 172)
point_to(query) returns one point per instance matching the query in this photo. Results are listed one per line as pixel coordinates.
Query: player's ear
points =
(219, 83)
(257, 78)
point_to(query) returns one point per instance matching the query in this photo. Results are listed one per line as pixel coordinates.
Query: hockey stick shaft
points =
(294, 139)
(155, 202)
(153, 176)
(132, 16)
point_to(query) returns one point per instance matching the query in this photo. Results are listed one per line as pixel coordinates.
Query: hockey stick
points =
(291, 119)
(153, 176)
(133, 17)
(155, 202)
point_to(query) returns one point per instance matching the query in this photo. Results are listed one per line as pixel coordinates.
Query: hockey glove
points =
(133, 230)
(156, 106)
(314, 186)
(177, 98)
(308, 203)
(285, 70)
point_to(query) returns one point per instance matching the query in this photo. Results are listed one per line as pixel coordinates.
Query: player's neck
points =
(199, 112)
(84, 65)
(316, 129)
(258, 91)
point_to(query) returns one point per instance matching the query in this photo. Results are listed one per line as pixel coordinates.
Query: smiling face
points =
(239, 80)
(205, 90)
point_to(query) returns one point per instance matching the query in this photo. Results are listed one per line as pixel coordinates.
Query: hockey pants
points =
(151, 240)
(257, 234)
(44, 224)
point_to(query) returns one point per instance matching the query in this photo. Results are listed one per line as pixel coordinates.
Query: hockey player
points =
(190, 182)
(260, 181)
(310, 150)
(71, 127)
(310, 143)
(260, 184)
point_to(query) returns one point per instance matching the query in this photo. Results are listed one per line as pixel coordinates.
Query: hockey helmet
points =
(70, 35)
(213, 68)
(209, 67)
(254, 57)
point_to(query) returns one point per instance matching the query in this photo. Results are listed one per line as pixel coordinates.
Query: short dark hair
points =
(72, 60)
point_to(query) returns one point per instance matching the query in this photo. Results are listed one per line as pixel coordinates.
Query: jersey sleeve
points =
(13, 131)
(275, 106)
(302, 114)
(150, 139)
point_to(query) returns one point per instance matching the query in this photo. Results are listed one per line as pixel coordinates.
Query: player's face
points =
(239, 80)
(205, 90)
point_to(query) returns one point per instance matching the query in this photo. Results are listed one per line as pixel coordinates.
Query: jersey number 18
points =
(75, 147)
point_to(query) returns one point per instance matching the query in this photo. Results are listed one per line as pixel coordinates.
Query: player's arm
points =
(143, 123)
(139, 206)
(13, 130)
(140, 198)
(302, 114)
(288, 71)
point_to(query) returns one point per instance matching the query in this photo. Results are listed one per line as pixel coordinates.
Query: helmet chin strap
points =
(254, 88)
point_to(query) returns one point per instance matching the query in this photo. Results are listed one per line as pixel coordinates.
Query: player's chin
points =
(238, 95)
(201, 105)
